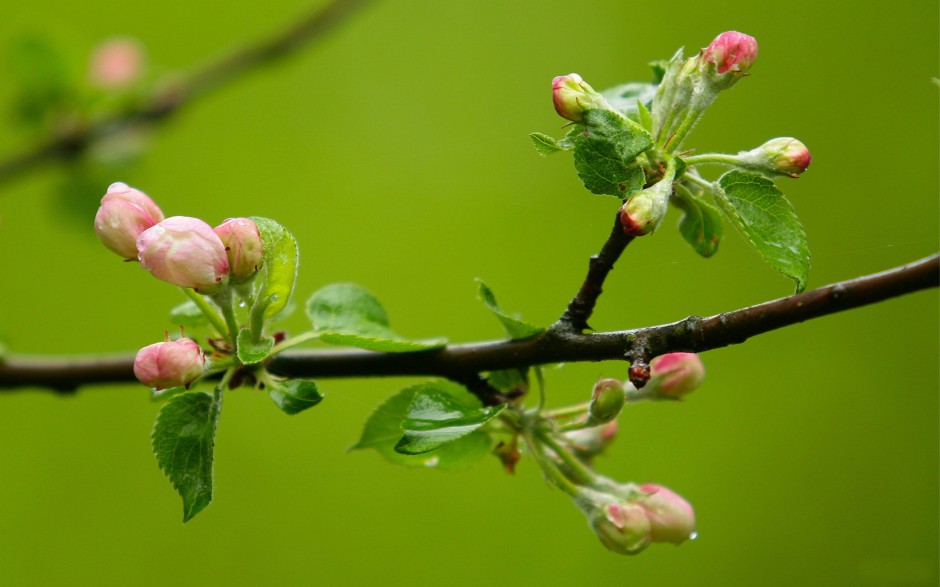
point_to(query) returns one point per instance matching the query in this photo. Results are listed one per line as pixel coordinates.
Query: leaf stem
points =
(225, 300)
(549, 467)
(207, 310)
(581, 473)
(293, 341)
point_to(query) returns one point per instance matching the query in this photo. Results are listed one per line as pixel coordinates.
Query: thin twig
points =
(170, 97)
(581, 306)
(462, 362)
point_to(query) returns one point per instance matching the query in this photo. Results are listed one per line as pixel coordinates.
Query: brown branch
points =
(581, 306)
(173, 95)
(462, 362)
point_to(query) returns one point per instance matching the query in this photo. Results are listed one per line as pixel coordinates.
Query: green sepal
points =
(251, 351)
(188, 314)
(279, 265)
(767, 220)
(605, 153)
(544, 144)
(435, 419)
(700, 225)
(183, 440)
(293, 395)
(383, 431)
(644, 117)
(514, 327)
(346, 314)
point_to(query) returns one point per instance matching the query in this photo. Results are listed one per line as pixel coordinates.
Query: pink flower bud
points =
(242, 245)
(676, 374)
(186, 252)
(606, 401)
(732, 51)
(637, 216)
(590, 442)
(787, 155)
(125, 213)
(671, 518)
(116, 63)
(623, 527)
(572, 96)
(169, 364)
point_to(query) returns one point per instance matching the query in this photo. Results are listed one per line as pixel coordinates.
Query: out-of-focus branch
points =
(176, 93)
(463, 361)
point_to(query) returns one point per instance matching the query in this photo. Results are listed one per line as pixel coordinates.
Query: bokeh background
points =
(397, 153)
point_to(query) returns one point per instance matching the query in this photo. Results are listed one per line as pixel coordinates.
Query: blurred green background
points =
(397, 153)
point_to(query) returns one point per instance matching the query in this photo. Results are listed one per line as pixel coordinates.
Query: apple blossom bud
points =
(676, 374)
(587, 443)
(186, 252)
(622, 527)
(780, 156)
(731, 51)
(125, 213)
(671, 518)
(242, 245)
(606, 401)
(637, 215)
(169, 364)
(117, 63)
(572, 96)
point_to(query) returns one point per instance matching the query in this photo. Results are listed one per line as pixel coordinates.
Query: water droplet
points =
(693, 535)
(242, 304)
(432, 462)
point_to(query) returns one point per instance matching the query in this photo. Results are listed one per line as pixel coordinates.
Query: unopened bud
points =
(242, 245)
(125, 213)
(780, 156)
(587, 443)
(643, 212)
(186, 252)
(116, 63)
(676, 374)
(731, 51)
(606, 401)
(671, 518)
(572, 96)
(621, 526)
(164, 365)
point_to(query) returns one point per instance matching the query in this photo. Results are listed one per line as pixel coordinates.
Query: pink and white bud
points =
(242, 243)
(607, 400)
(780, 156)
(676, 374)
(164, 365)
(671, 518)
(124, 213)
(623, 527)
(572, 96)
(590, 442)
(116, 63)
(731, 51)
(637, 215)
(186, 252)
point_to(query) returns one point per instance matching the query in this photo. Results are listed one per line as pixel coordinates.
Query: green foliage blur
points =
(397, 153)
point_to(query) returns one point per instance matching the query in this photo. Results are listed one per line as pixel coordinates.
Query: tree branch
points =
(171, 97)
(581, 306)
(462, 362)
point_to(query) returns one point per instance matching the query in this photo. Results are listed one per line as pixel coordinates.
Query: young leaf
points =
(435, 419)
(189, 315)
(515, 328)
(508, 380)
(183, 439)
(250, 351)
(544, 144)
(766, 219)
(294, 395)
(279, 265)
(346, 314)
(383, 430)
(604, 153)
(700, 225)
(644, 117)
(626, 97)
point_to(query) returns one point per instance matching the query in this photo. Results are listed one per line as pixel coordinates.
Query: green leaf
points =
(644, 116)
(252, 351)
(435, 419)
(515, 327)
(383, 430)
(279, 265)
(508, 380)
(626, 97)
(766, 219)
(346, 314)
(43, 78)
(183, 440)
(544, 144)
(189, 315)
(293, 395)
(700, 225)
(604, 155)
